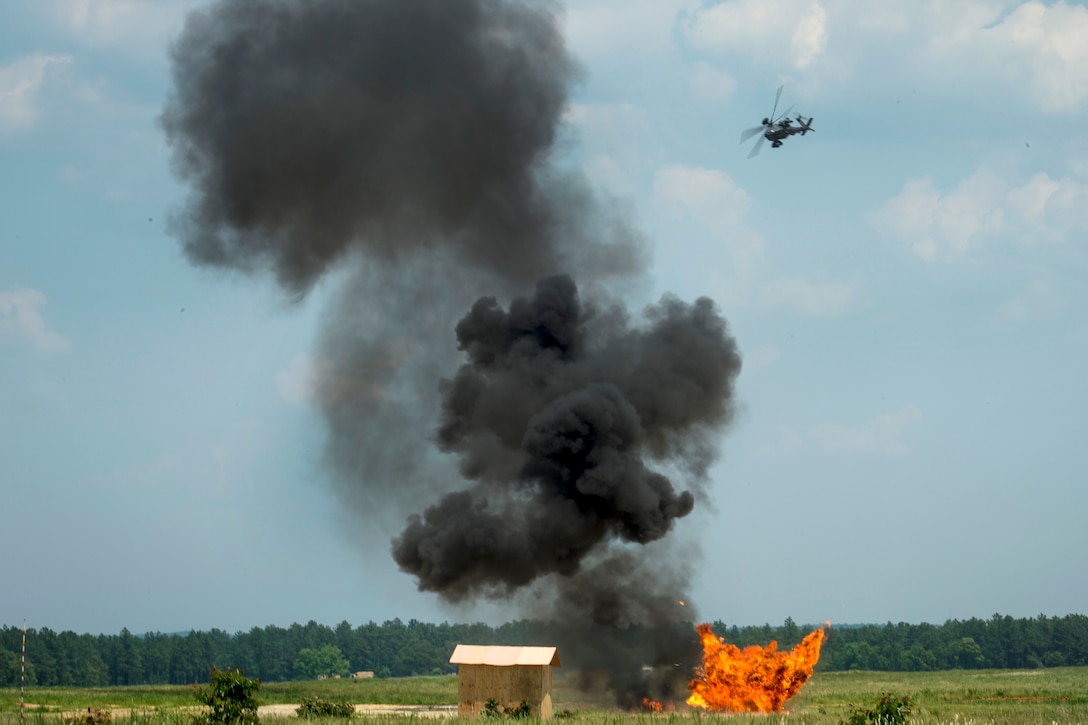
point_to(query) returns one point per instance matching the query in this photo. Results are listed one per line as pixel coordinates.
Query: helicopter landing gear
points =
(776, 144)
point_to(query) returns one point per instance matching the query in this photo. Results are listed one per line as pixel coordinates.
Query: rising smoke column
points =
(556, 415)
(408, 146)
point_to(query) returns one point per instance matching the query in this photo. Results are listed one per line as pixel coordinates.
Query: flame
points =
(755, 679)
(652, 706)
(682, 603)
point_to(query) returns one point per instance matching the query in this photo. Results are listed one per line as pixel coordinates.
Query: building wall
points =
(508, 686)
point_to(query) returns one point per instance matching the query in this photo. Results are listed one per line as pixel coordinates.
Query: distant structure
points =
(362, 675)
(507, 675)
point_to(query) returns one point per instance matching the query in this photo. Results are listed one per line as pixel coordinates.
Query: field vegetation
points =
(958, 697)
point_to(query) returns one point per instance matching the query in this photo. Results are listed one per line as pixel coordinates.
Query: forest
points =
(396, 649)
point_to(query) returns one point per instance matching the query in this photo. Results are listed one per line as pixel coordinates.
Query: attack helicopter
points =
(777, 128)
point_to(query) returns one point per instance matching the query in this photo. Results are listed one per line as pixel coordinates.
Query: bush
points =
(493, 709)
(93, 716)
(888, 710)
(231, 697)
(316, 707)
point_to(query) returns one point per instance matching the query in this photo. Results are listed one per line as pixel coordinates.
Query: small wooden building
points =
(507, 675)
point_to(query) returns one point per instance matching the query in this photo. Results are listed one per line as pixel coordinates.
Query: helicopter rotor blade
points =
(777, 98)
(748, 133)
(783, 115)
(757, 147)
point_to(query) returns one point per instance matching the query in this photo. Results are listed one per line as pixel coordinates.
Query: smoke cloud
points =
(407, 149)
(309, 129)
(556, 414)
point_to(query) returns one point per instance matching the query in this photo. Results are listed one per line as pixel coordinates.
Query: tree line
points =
(397, 649)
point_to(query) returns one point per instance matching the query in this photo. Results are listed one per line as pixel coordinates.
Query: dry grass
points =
(1049, 697)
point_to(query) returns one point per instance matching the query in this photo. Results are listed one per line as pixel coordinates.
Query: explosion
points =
(755, 679)
(485, 390)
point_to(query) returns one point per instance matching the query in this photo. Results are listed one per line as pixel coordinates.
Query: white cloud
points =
(20, 82)
(812, 299)
(711, 199)
(1031, 54)
(1024, 51)
(709, 194)
(762, 29)
(614, 137)
(983, 207)
(595, 27)
(1042, 49)
(133, 26)
(712, 84)
(20, 318)
(1031, 50)
(883, 17)
(809, 37)
(1031, 199)
(882, 435)
(1049, 210)
(1039, 301)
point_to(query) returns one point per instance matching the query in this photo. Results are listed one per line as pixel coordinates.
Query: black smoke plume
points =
(409, 147)
(400, 127)
(556, 414)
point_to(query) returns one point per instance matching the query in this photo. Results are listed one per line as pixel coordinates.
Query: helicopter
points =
(777, 128)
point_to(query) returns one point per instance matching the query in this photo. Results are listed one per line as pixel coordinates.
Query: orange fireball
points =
(755, 679)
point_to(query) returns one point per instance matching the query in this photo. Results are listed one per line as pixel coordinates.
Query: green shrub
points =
(889, 710)
(493, 709)
(316, 707)
(231, 698)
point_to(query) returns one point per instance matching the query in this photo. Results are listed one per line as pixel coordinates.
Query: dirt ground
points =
(431, 711)
(427, 711)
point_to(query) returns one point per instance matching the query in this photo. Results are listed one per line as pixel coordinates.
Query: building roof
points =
(499, 656)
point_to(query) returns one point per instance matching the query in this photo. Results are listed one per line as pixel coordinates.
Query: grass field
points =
(975, 697)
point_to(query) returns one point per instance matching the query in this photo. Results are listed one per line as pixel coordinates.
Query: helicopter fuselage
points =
(778, 130)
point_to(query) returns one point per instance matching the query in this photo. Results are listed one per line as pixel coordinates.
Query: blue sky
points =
(906, 286)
